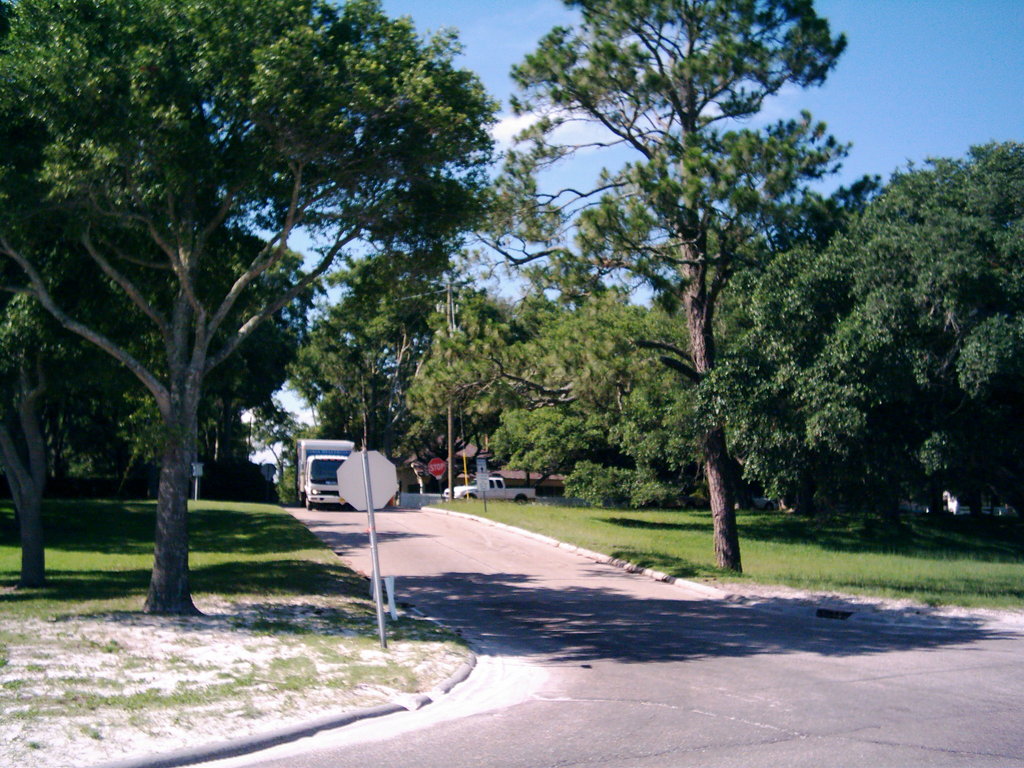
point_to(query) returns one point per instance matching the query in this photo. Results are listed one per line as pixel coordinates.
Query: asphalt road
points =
(582, 664)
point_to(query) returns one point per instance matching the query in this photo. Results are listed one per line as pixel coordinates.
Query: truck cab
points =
(322, 487)
(317, 471)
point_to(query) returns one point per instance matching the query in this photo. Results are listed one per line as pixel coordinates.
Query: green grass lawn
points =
(99, 555)
(935, 559)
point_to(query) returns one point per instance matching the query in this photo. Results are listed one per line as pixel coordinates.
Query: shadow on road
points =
(580, 624)
(520, 613)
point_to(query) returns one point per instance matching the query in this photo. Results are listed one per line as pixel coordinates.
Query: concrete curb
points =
(825, 609)
(597, 557)
(260, 741)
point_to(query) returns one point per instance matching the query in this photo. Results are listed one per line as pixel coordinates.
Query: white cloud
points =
(574, 131)
(509, 126)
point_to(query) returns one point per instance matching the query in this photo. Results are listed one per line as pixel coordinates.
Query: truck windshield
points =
(325, 471)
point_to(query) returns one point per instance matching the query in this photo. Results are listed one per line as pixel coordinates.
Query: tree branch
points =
(681, 363)
(551, 396)
(126, 285)
(253, 322)
(527, 258)
(270, 254)
(42, 294)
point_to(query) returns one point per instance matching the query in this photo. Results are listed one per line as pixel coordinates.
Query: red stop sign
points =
(436, 467)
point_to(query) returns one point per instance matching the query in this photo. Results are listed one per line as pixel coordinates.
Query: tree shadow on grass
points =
(83, 586)
(127, 528)
(673, 566)
(283, 577)
(89, 525)
(248, 532)
(278, 577)
(930, 536)
(656, 525)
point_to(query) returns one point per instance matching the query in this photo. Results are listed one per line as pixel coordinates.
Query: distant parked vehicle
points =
(763, 502)
(951, 504)
(496, 490)
(1004, 510)
(914, 508)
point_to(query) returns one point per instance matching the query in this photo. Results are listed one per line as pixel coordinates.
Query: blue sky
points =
(919, 79)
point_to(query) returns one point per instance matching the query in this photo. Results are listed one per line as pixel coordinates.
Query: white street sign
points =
(383, 481)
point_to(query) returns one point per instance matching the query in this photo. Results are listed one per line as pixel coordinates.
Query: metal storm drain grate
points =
(831, 613)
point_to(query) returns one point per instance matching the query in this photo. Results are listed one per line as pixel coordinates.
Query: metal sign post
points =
(359, 482)
(197, 472)
(483, 479)
(378, 598)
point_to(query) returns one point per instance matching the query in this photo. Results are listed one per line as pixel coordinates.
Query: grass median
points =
(932, 559)
(287, 634)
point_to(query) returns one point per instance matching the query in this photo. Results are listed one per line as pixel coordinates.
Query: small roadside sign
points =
(437, 467)
(483, 479)
(363, 481)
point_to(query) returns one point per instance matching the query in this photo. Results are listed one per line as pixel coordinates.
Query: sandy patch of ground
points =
(83, 691)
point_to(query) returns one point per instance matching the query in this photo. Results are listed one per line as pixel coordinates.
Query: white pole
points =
(374, 560)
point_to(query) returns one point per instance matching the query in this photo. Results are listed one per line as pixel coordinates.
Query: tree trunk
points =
(27, 495)
(26, 475)
(717, 463)
(723, 508)
(806, 490)
(169, 589)
(33, 551)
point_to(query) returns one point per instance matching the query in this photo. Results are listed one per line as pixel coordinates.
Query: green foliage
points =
(672, 82)
(604, 486)
(570, 383)
(547, 441)
(598, 485)
(887, 366)
(364, 350)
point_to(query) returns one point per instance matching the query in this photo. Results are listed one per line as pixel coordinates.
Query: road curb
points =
(823, 610)
(589, 554)
(260, 741)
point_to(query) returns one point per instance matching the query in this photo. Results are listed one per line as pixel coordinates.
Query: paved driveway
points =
(582, 664)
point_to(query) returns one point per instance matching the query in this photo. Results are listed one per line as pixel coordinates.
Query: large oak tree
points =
(184, 143)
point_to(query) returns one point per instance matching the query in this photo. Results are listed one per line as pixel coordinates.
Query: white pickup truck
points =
(495, 490)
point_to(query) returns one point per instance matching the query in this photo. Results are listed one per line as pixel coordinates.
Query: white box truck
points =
(316, 468)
